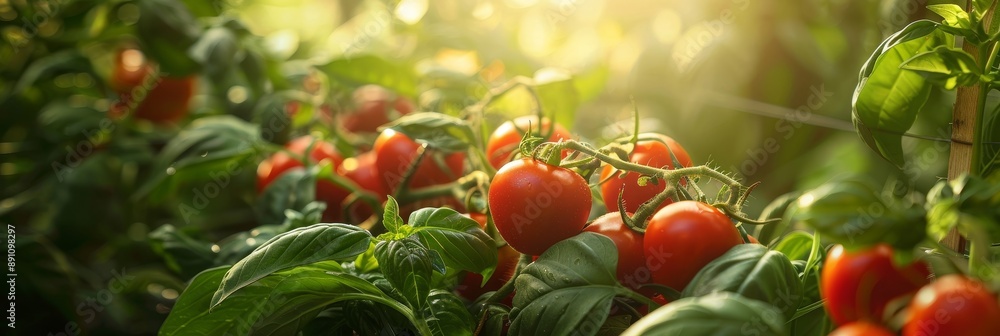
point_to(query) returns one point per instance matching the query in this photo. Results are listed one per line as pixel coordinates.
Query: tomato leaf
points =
(887, 98)
(167, 29)
(182, 253)
(390, 218)
(715, 314)
(208, 147)
(795, 245)
(411, 268)
(369, 69)
(47, 67)
(446, 314)
(460, 241)
(753, 272)
(301, 246)
(568, 289)
(293, 190)
(440, 131)
(853, 214)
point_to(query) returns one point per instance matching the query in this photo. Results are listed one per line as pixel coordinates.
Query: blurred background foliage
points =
(759, 88)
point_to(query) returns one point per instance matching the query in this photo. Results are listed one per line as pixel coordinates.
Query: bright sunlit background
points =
(761, 88)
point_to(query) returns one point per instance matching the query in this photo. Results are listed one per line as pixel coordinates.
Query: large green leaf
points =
(888, 98)
(215, 50)
(369, 69)
(753, 272)
(946, 66)
(412, 266)
(279, 304)
(716, 314)
(460, 241)
(302, 246)
(853, 214)
(446, 314)
(218, 146)
(568, 289)
(796, 245)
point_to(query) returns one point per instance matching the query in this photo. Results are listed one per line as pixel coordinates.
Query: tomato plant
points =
(858, 285)
(395, 152)
(502, 144)
(656, 150)
(326, 191)
(953, 305)
(536, 205)
(683, 237)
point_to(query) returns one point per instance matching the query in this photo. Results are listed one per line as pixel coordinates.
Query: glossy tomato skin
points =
(648, 153)
(394, 152)
(164, 100)
(374, 106)
(862, 329)
(326, 191)
(683, 237)
(857, 285)
(535, 205)
(953, 305)
(362, 171)
(631, 271)
(502, 145)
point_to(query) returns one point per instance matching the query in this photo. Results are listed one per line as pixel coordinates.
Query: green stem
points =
(407, 196)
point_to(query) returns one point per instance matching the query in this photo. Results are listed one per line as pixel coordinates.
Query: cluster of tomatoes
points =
(862, 287)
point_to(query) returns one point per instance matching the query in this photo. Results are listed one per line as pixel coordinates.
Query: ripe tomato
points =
(631, 270)
(861, 329)
(394, 152)
(649, 153)
(953, 305)
(165, 100)
(361, 169)
(326, 191)
(682, 238)
(535, 205)
(507, 259)
(374, 107)
(857, 285)
(502, 145)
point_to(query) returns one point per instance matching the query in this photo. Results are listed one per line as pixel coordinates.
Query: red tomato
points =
(507, 259)
(953, 305)
(857, 285)
(535, 205)
(394, 152)
(862, 329)
(631, 271)
(374, 107)
(326, 191)
(503, 142)
(165, 100)
(362, 171)
(682, 238)
(649, 153)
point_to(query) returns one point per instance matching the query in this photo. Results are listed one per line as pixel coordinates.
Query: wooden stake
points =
(963, 134)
